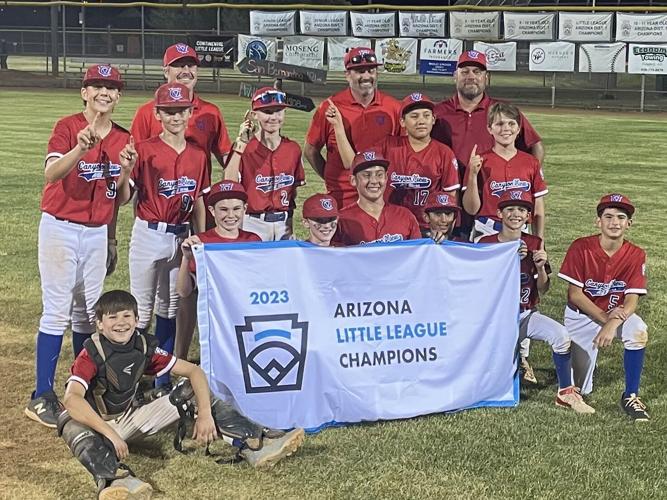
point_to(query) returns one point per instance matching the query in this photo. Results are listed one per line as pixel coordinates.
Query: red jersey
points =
(364, 126)
(211, 236)
(412, 175)
(356, 227)
(605, 280)
(497, 175)
(206, 128)
(168, 183)
(530, 296)
(87, 194)
(271, 177)
(461, 130)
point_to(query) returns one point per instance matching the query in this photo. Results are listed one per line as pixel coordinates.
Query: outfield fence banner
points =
(647, 59)
(336, 48)
(378, 25)
(499, 56)
(258, 48)
(602, 57)
(529, 26)
(641, 27)
(272, 23)
(585, 27)
(438, 56)
(299, 335)
(214, 51)
(422, 24)
(305, 51)
(399, 55)
(323, 23)
(474, 25)
(551, 56)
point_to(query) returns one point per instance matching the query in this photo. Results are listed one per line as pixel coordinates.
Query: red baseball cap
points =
(320, 206)
(361, 57)
(472, 58)
(268, 98)
(615, 200)
(179, 51)
(416, 100)
(368, 159)
(226, 190)
(440, 201)
(104, 74)
(516, 198)
(172, 95)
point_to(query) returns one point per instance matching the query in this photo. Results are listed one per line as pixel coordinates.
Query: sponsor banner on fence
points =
(499, 56)
(350, 337)
(474, 25)
(214, 51)
(323, 23)
(373, 25)
(438, 56)
(585, 27)
(422, 24)
(399, 55)
(304, 50)
(647, 59)
(520, 26)
(641, 27)
(551, 56)
(336, 48)
(602, 57)
(258, 48)
(272, 23)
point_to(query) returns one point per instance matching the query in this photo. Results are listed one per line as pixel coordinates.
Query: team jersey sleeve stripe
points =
(52, 155)
(452, 187)
(638, 291)
(570, 280)
(74, 378)
(169, 366)
(132, 183)
(540, 193)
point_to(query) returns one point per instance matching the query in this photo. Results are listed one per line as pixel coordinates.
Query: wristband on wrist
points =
(112, 241)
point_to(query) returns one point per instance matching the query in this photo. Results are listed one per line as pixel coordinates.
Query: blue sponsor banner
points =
(297, 335)
(430, 67)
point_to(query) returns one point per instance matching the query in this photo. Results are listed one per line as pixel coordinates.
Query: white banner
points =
(475, 25)
(304, 336)
(422, 24)
(323, 23)
(255, 47)
(585, 27)
(602, 57)
(304, 51)
(647, 59)
(272, 23)
(373, 25)
(641, 27)
(399, 55)
(499, 56)
(336, 48)
(438, 56)
(521, 26)
(551, 56)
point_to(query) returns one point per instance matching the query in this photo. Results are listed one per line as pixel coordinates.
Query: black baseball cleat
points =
(45, 409)
(634, 408)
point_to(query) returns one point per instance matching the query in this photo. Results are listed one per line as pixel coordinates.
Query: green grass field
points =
(534, 451)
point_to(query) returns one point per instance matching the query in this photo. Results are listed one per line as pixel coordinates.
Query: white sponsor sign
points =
(551, 56)
(422, 24)
(438, 56)
(304, 51)
(520, 26)
(272, 23)
(337, 342)
(474, 25)
(323, 23)
(602, 57)
(641, 27)
(373, 25)
(585, 27)
(499, 56)
(647, 59)
(399, 55)
(336, 48)
(255, 47)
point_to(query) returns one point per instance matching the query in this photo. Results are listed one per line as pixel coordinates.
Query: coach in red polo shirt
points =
(368, 114)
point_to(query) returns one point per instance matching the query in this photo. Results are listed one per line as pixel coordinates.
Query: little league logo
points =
(272, 351)
(95, 171)
(326, 205)
(104, 71)
(175, 93)
(268, 183)
(414, 181)
(172, 187)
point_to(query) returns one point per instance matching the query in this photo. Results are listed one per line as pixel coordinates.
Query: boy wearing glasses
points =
(268, 166)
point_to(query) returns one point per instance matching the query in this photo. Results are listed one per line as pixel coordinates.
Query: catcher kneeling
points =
(102, 412)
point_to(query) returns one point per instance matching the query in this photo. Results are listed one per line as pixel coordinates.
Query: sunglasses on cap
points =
(359, 58)
(271, 97)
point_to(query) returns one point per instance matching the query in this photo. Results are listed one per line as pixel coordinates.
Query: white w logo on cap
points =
(326, 204)
(416, 96)
(616, 198)
(369, 155)
(104, 71)
(442, 199)
(175, 93)
(515, 195)
(182, 48)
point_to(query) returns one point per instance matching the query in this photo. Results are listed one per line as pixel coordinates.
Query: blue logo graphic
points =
(175, 93)
(104, 71)
(268, 183)
(96, 171)
(326, 204)
(172, 187)
(256, 50)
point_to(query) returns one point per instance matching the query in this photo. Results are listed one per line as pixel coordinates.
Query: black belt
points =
(86, 224)
(171, 228)
(272, 216)
(573, 308)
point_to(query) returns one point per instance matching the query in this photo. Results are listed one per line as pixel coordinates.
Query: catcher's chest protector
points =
(119, 370)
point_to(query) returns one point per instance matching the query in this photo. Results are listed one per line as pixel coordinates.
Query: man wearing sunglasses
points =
(368, 115)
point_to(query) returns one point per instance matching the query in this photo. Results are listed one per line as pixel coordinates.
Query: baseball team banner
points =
(373, 25)
(399, 55)
(551, 56)
(214, 51)
(438, 56)
(258, 48)
(422, 24)
(336, 48)
(602, 57)
(641, 27)
(303, 336)
(304, 51)
(522, 26)
(584, 27)
(324, 23)
(475, 25)
(272, 23)
(647, 59)
(499, 56)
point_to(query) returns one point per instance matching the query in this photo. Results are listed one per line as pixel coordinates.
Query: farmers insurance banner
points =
(304, 51)
(475, 25)
(336, 48)
(551, 56)
(421, 24)
(641, 27)
(647, 59)
(373, 25)
(438, 56)
(255, 47)
(586, 27)
(303, 336)
(520, 26)
(499, 56)
(399, 55)
(272, 23)
(602, 57)
(331, 23)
